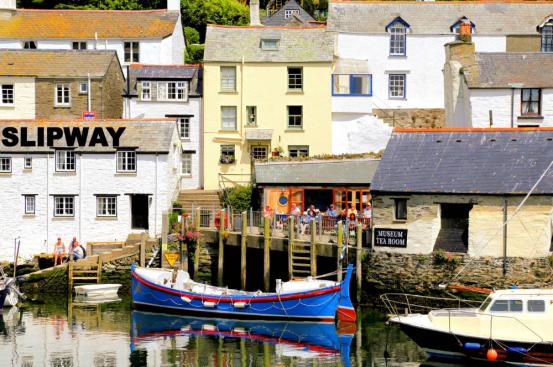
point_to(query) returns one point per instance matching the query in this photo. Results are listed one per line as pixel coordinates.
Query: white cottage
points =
(390, 56)
(172, 91)
(145, 36)
(95, 180)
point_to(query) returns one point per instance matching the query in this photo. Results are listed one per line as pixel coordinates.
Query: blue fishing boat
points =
(291, 338)
(307, 299)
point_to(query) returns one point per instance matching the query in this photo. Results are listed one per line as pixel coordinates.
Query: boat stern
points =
(345, 310)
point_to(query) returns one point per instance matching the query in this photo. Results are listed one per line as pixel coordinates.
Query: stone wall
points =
(389, 272)
(412, 117)
(112, 100)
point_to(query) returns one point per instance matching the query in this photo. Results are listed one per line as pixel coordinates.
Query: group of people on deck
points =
(77, 251)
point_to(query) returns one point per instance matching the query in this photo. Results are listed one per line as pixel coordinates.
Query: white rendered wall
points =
(24, 99)
(178, 43)
(358, 133)
(490, 43)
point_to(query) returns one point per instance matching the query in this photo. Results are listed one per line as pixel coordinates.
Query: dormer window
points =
(456, 27)
(547, 36)
(398, 36)
(269, 44)
(288, 13)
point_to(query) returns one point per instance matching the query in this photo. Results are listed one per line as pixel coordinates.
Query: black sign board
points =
(390, 237)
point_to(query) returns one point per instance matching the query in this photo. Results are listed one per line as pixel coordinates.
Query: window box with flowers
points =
(227, 154)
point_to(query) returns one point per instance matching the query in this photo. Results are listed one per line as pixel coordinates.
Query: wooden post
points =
(313, 224)
(99, 279)
(267, 355)
(221, 255)
(291, 232)
(198, 244)
(266, 254)
(164, 234)
(243, 249)
(143, 250)
(339, 244)
(358, 273)
(183, 250)
(70, 276)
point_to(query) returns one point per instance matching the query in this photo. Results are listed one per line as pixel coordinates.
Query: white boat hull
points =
(97, 291)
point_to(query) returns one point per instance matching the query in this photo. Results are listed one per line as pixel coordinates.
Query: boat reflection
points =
(298, 340)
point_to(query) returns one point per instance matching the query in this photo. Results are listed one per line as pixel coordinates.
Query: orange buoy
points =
(491, 355)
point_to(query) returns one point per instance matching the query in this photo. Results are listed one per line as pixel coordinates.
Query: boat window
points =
(504, 305)
(536, 305)
(485, 304)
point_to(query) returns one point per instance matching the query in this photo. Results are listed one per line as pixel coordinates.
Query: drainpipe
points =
(512, 107)
(504, 236)
(47, 200)
(89, 95)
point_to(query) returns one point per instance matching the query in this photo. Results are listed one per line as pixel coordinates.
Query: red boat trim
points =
(252, 299)
(346, 314)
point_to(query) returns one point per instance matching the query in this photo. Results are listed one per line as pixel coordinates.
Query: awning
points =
(351, 66)
(259, 134)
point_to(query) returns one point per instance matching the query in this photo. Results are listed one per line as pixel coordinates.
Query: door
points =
(139, 211)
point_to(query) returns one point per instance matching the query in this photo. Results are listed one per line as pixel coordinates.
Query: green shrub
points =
(191, 36)
(240, 198)
(194, 54)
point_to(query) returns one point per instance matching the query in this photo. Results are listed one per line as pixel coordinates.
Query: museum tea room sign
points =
(390, 237)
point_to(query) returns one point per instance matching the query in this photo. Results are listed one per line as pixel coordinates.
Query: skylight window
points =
(269, 44)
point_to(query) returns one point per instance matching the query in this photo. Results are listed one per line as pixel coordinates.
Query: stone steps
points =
(205, 199)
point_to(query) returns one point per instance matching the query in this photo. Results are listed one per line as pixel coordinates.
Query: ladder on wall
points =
(299, 260)
(84, 271)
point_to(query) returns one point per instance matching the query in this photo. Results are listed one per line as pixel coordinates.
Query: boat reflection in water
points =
(303, 340)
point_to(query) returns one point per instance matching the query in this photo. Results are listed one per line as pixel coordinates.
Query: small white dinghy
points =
(97, 291)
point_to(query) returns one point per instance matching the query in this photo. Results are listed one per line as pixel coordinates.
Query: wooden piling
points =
(197, 214)
(70, 276)
(339, 244)
(221, 255)
(266, 254)
(143, 250)
(313, 254)
(100, 264)
(359, 248)
(291, 233)
(243, 249)
(164, 235)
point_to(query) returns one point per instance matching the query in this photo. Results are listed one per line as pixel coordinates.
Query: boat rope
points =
(506, 348)
(515, 213)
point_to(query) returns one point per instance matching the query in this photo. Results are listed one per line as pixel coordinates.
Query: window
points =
(295, 78)
(227, 154)
(83, 88)
(146, 94)
(228, 118)
(184, 127)
(259, 152)
(7, 94)
(28, 163)
(504, 305)
(106, 206)
(352, 85)
(269, 44)
(295, 117)
(251, 111)
(400, 209)
(65, 160)
(176, 91)
(78, 45)
(530, 101)
(187, 164)
(547, 38)
(132, 52)
(5, 164)
(64, 206)
(398, 34)
(228, 78)
(396, 85)
(29, 204)
(126, 161)
(29, 45)
(289, 12)
(536, 305)
(63, 95)
(298, 151)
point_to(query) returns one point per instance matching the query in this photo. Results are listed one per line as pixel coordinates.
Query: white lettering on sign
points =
(390, 237)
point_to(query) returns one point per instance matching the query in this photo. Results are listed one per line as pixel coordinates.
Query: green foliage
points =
(194, 54)
(240, 198)
(92, 4)
(198, 13)
(442, 258)
(173, 221)
(191, 35)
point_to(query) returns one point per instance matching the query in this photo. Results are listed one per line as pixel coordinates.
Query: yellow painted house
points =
(264, 88)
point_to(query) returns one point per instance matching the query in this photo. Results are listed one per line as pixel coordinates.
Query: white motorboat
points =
(97, 291)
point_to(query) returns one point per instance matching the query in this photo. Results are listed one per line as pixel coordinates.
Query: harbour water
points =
(55, 334)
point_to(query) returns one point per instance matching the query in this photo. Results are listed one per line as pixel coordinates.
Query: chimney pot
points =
(465, 31)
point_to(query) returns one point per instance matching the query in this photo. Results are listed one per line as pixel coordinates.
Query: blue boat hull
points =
(316, 305)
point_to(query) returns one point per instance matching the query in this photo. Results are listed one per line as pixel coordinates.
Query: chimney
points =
(254, 12)
(172, 5)
(465, 31)
(7, 8)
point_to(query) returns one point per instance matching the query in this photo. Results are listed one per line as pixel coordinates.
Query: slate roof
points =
(55, 63)
(501, 70)
(296, 44)
(84, 24)
(279, 19)
(357, 172)
(466, 161)
(151, 135)
(436, 17)
(166, 72)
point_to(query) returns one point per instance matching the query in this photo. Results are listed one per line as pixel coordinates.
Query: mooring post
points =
(251, 220)
(143, 250)
(291, 233)
(243, 248)
(197, 214)
(70, 276)
(339, 244)
(313, 225)
(221, 255)
(183, 247)
(359, 243)
(266, 254)
(164, 234)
